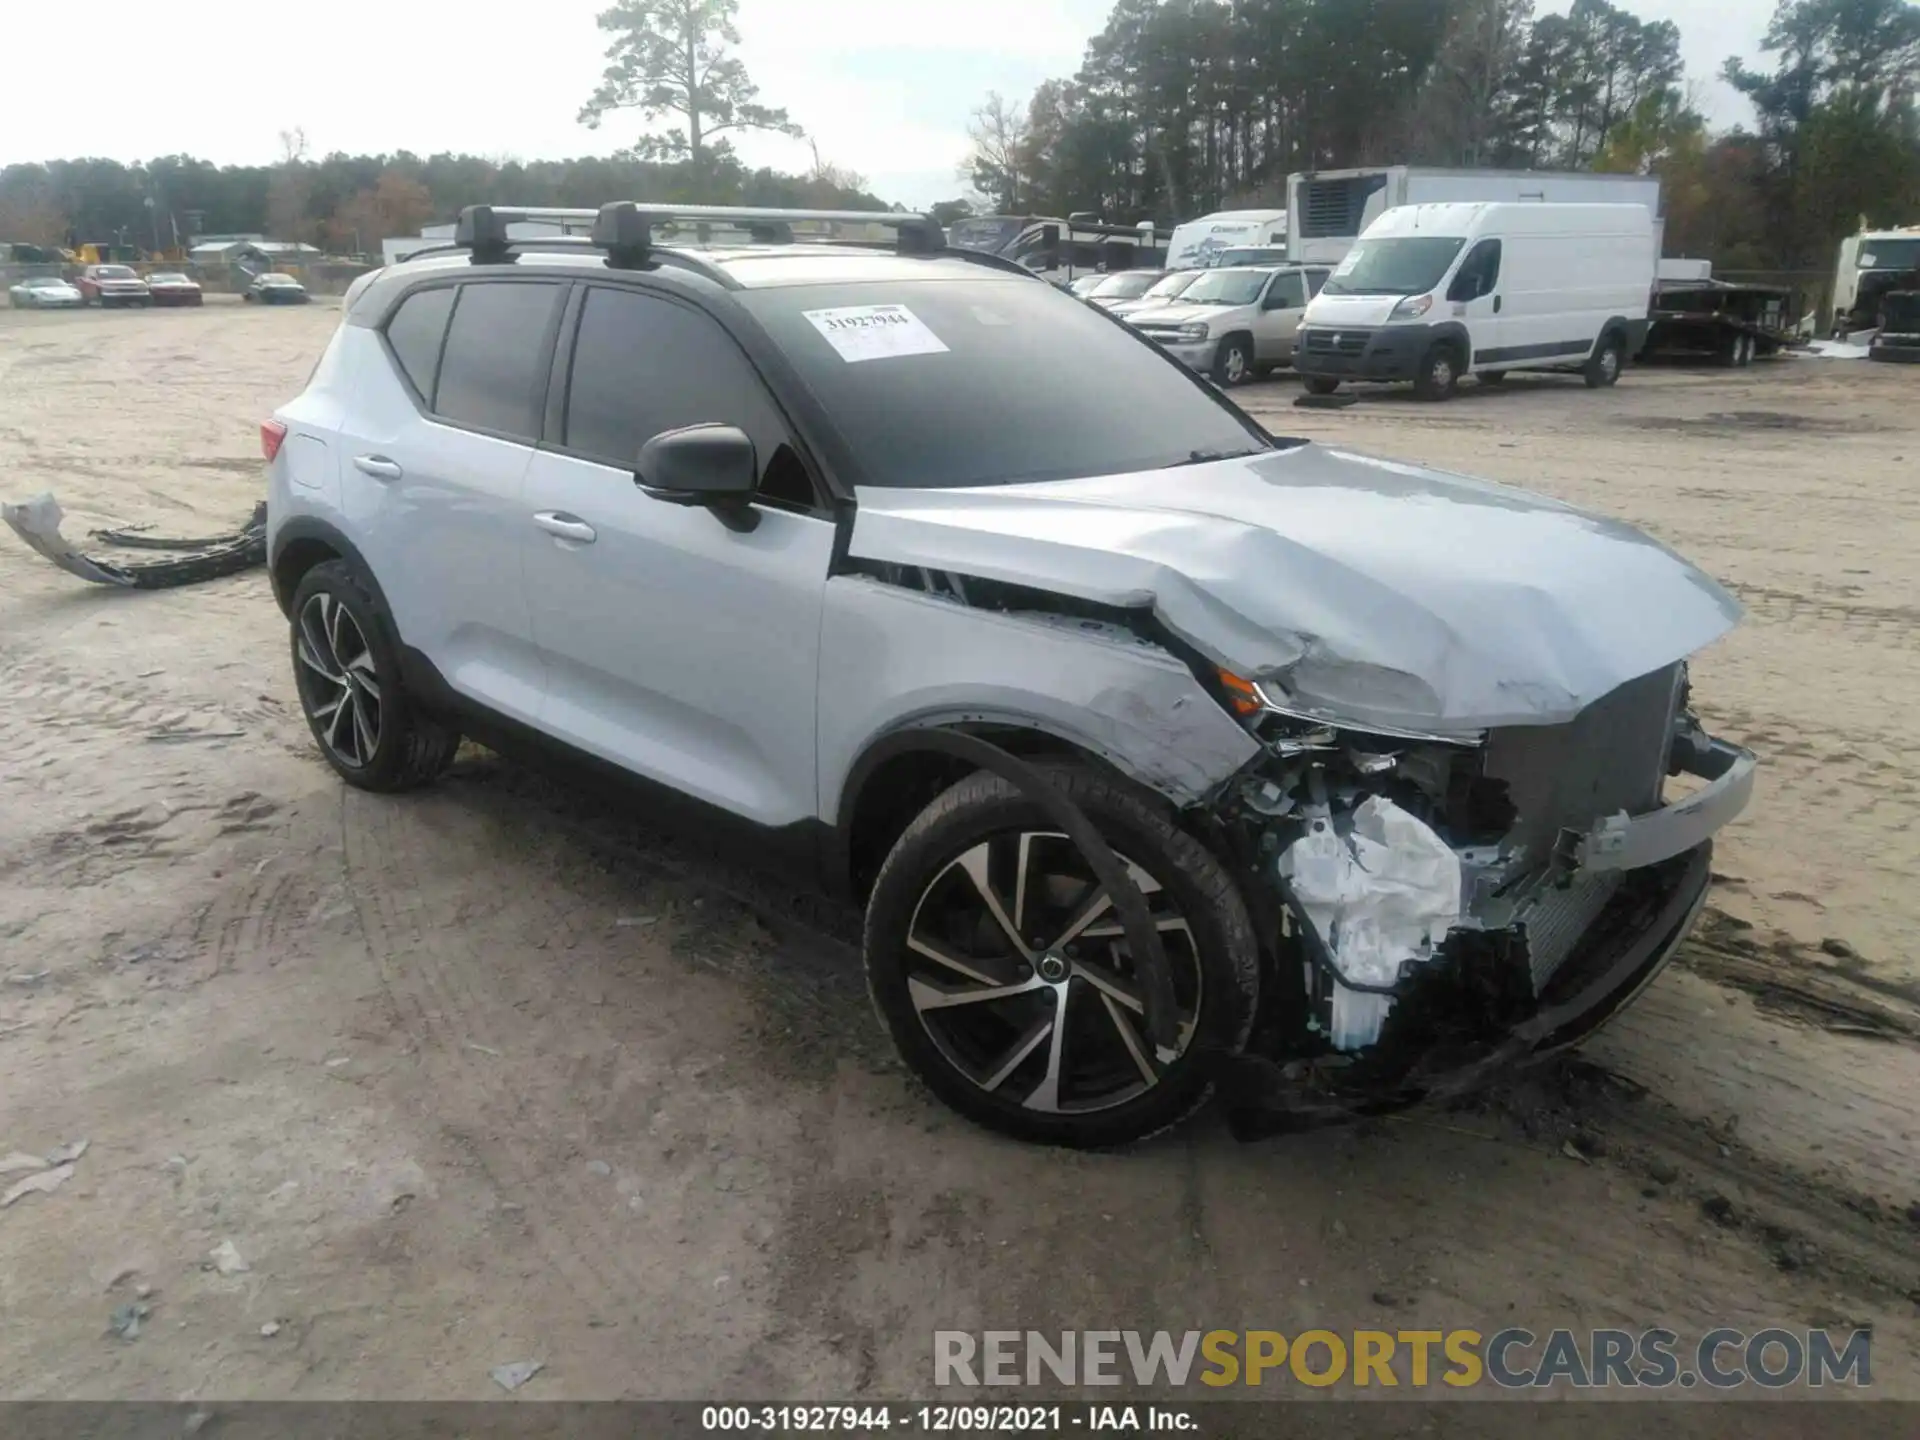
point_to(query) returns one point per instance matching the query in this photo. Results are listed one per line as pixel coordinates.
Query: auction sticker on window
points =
(875, 332)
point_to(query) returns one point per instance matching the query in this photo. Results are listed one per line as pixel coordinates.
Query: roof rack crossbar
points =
(625, 229)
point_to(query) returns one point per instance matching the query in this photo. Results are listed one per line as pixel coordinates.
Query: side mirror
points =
(709, 465)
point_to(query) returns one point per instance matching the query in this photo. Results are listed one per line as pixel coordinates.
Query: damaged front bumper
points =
(1451, 928)
(1636, 936)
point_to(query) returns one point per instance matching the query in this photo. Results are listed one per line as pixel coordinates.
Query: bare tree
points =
(290, 190)
(997, 165)
(672, 57)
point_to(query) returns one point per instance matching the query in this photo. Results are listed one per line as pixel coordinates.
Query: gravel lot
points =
(495, 1072)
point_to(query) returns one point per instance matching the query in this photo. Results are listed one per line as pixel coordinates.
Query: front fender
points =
(894, 660)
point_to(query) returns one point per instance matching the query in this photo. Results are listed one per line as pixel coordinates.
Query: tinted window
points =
(642, 365)
(1013, 381)
(496, 356)
(1225, 287)
(415, 333)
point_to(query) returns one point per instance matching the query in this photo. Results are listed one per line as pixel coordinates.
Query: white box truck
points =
(1434, 292)
(1327, 209)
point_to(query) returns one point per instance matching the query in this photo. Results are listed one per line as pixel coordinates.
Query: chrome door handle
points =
(378, 466)
(565, 527)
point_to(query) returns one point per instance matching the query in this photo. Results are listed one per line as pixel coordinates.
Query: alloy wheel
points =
(1019, 972)
(1235, 365)
(339, 684)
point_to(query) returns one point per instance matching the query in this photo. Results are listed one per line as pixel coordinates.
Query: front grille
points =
(1559, 917)
(1611, 757)
(1335, 342)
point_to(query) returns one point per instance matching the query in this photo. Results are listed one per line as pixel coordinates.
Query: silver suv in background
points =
(1233, 324)
(1162, 754)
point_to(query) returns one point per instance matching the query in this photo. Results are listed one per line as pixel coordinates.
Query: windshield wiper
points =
(1207, 457)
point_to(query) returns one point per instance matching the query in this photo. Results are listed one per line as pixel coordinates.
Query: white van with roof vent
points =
(1433, 292)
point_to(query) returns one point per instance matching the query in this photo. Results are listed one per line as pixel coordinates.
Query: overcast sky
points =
(885, 86)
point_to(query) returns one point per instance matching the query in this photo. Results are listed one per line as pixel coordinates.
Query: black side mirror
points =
(709, 465)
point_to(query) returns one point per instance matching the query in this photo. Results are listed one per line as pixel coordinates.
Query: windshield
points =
(1126, 285)
(1399, 265)
(169, 278)
(1225, 287)
(47, 282)
(1168, 286)
(278, 280)
(1069, 392)
(1260, 255)
(114, 272)
(987, 234)
(1902, 254)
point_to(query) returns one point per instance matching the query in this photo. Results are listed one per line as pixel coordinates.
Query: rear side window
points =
(496, 356)
(642, 365)
(415, 332)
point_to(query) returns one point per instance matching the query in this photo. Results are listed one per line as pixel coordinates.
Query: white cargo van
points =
(1433, 292)
(1199, 243)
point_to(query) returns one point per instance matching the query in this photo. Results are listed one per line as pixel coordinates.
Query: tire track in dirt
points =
(445, 1017)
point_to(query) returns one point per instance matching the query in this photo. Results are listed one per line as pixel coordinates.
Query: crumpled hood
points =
(1358, 589)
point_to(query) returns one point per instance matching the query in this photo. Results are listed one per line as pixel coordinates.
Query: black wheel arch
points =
(304, 542)
(901, 772)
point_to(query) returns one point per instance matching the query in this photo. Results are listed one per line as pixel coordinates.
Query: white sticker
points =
(1867, 262)
(875, 332)
(1351, 259)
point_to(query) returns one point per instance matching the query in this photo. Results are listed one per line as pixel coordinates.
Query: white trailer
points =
(1327, 209)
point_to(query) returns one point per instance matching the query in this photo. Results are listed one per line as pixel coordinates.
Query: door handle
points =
(378, 466)
(566, 527)
(1496, 304)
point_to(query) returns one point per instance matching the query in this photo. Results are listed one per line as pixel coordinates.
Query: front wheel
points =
(347, 672)
(1603, 366)
(1233, 362)
(1321, 384)
(999, 965)
(1439, 373)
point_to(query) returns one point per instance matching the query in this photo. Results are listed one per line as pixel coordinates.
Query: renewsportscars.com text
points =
(1512, 1358)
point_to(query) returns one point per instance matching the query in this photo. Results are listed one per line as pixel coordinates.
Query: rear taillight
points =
(272, 432)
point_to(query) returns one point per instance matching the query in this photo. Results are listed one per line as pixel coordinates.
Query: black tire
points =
(1320, 384)
(1439, 373)
(403, 747)
(1603, 367)
(1492, 377)
(1233, 361)
(1217, 968)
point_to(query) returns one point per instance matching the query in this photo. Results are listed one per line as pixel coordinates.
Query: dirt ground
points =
(495, 1073)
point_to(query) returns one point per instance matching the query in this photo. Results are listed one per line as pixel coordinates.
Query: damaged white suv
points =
(1164, 756)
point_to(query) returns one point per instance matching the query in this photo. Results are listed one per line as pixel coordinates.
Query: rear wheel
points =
(1439, 372)
(1233, 362)
(347, 673)
(1000, 967)
(1603, 366)
(1321, 384)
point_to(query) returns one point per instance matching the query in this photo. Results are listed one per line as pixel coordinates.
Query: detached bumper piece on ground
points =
(191, 561)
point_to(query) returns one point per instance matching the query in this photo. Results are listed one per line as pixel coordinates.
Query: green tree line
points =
(1186, 106)
(348, 203)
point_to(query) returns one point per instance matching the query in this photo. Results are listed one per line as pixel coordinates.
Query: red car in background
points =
(170, 287)
(112, 285)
